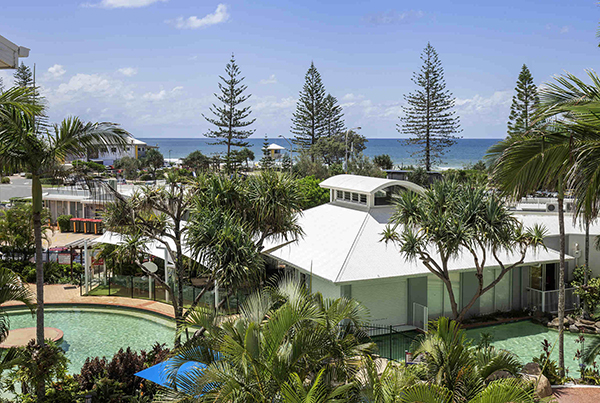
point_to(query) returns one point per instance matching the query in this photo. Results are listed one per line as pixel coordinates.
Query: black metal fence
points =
(393, 342)
(143, 288)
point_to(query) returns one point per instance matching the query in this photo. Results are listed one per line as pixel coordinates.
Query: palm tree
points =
(26, 145)
(537, 160)
(284, 337)
(12, 289)
(562, 154)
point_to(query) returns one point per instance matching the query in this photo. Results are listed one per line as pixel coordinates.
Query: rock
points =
(499, 375)
(543, 389)
(587, 322)
(533, 372)
(554, 322)
(570, 320)
(531, 368)
(597, 324)
(573, 329)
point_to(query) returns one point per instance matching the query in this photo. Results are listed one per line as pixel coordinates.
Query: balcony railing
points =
(547, 301)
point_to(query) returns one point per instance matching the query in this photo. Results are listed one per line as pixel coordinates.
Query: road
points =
(18, 187)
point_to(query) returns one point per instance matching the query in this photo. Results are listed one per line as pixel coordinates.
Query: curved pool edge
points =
(162, 315)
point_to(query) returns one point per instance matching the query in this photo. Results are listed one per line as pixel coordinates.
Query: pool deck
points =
(580, 394)
(56, 294)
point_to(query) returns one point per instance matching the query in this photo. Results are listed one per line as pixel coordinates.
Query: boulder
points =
(499, 375)
(554, 322)
(573, 329)
(531, 368)
(587, 322)
(597, 324)
(533, 372)
(543, 389)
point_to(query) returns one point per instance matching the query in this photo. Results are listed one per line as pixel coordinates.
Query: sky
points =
(153, 66)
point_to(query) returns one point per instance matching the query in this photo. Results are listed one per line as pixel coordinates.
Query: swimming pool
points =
(100, 331)
(525, 339)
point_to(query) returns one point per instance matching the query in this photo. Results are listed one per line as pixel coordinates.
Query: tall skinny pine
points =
(524, 104)
(429, 118)
(308, 122)
(230, 118)
(334, 117)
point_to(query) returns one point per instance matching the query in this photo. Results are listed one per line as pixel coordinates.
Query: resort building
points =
(10, 54)
(135, 149)
(81, 201)
(341, 254)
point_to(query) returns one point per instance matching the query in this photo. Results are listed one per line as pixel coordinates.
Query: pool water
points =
(92, 332)
(525, 339)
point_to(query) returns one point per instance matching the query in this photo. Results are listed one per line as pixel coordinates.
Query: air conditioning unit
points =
(552, 207)
(569, 206)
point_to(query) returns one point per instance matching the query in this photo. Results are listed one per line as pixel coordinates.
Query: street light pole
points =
(347, 133)
(170, 162)
(291, 152)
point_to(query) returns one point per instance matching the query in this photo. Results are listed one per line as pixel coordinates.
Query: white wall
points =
(594, 254)
(385, 299)
(455, 279)
(327, 288)
(435, 296)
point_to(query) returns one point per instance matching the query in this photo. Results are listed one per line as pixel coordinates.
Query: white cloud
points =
(122, 3)
(499, 100)
(565, 29)
(128, 71)
(393, 17)
(220, 15)
(162, 94)
(271, 80)
(55, 72)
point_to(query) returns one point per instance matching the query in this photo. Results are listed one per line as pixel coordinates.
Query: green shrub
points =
(312, 193)
(64, 222)
(146, 177)
(5, 180)
(28, 176)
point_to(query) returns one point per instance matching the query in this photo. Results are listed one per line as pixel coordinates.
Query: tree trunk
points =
(36, 196)
(561, 282)
(587, 250)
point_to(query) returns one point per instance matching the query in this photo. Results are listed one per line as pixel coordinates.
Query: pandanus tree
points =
(26, 144)
(453, 219)
(219, 223)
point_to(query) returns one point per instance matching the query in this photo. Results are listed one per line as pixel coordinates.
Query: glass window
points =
(355, 197)
(363, 199)
(347, 196)
(536, 277)
(340, 194)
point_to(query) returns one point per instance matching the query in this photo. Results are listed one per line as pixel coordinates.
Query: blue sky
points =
(153, 65)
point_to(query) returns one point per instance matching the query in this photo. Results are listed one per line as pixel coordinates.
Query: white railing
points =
(420, 316)
(547, 301)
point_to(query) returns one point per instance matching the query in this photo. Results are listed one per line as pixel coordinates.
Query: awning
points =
(158, 373)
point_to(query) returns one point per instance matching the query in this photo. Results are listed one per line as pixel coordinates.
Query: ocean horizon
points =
(464, 153)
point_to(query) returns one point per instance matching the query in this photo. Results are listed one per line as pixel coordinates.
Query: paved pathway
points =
(68, 294)
(577, 395)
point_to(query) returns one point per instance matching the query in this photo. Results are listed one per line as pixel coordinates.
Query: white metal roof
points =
(343, 245)
(550, 222)
(10, 53)
(274, 146)
(365, 184)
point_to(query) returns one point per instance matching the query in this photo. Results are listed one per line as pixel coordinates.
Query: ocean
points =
(465, 152)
